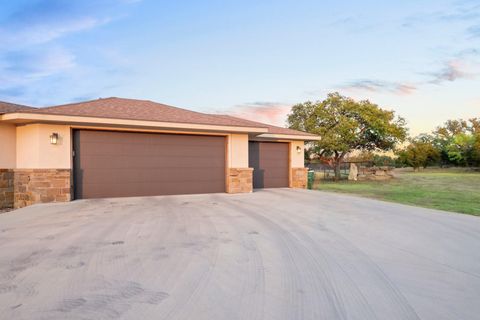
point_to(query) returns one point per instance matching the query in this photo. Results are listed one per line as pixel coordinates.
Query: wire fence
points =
(325, 171)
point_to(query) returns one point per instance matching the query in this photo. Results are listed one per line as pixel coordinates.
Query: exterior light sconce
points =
(299, 149)
(54, 138)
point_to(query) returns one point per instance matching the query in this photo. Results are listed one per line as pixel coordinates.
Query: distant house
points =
(118, 147)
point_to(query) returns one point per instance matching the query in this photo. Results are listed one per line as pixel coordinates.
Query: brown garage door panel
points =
(147, 175)
(128, 148)
(117, 164)
(141, 189)
(152, 162)
(270, 163)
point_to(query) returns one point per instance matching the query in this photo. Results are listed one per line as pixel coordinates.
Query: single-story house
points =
(118, 147)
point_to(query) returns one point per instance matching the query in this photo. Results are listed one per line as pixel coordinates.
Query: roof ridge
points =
(8, 107)
(178, 108)
(74, 103)
(17, 105)
(131, 99)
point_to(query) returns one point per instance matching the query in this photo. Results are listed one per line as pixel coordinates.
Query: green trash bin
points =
(311, 177)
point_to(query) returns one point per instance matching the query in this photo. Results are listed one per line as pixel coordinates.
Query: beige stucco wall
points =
(34, 150)
(297, 160)
(7, 146)
(238, 151)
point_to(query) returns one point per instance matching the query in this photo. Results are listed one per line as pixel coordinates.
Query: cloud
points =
(380, 86)
(20, 67)
(452, 70)
(45, 32)
(463, 13)
(468, 53)
(463, 65)
(33, 53)
(267, 112)
(42, 63)
(44, 21)
(22, 72)
(467, 13)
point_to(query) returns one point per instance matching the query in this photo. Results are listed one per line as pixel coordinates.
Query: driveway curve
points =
(272, 254)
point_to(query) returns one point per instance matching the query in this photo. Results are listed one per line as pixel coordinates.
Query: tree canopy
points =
(345, 125)
(419, 153)
(456, 142)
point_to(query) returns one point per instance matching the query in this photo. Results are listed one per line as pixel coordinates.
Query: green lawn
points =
(450, 190)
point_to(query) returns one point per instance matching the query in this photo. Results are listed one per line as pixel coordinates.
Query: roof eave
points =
(278, 136)
(31, 117)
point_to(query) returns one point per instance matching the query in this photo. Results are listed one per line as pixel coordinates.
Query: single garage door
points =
(269, 161)
(124, 164)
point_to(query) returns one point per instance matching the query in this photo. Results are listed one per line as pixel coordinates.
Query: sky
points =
(247, 58)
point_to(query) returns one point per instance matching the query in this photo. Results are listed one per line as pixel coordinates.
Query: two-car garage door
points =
(118, 164)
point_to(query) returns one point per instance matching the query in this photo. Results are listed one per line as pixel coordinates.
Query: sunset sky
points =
(248, 58)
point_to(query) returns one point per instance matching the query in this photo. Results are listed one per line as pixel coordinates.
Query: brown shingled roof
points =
(6, 107)
(271, 128)
(132, 109)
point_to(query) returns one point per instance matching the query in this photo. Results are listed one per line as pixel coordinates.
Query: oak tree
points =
(345, 125)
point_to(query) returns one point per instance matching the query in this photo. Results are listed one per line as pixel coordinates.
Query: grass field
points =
(450, 190)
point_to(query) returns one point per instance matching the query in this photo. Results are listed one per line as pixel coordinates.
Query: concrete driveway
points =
(273, 254)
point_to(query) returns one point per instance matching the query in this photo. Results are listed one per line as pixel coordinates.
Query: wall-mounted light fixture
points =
(54, 138)
(299, 149)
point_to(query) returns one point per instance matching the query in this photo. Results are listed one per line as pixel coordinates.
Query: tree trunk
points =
(337, 162)
(337, 171)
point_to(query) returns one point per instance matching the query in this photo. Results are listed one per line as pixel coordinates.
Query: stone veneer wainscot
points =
(6, 188)
(41, 186)
(240, 180)
(299, 178)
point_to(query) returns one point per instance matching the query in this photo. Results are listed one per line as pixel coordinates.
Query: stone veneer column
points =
(299, 178)
(40, 186)
(240, 180)
(6, 188)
